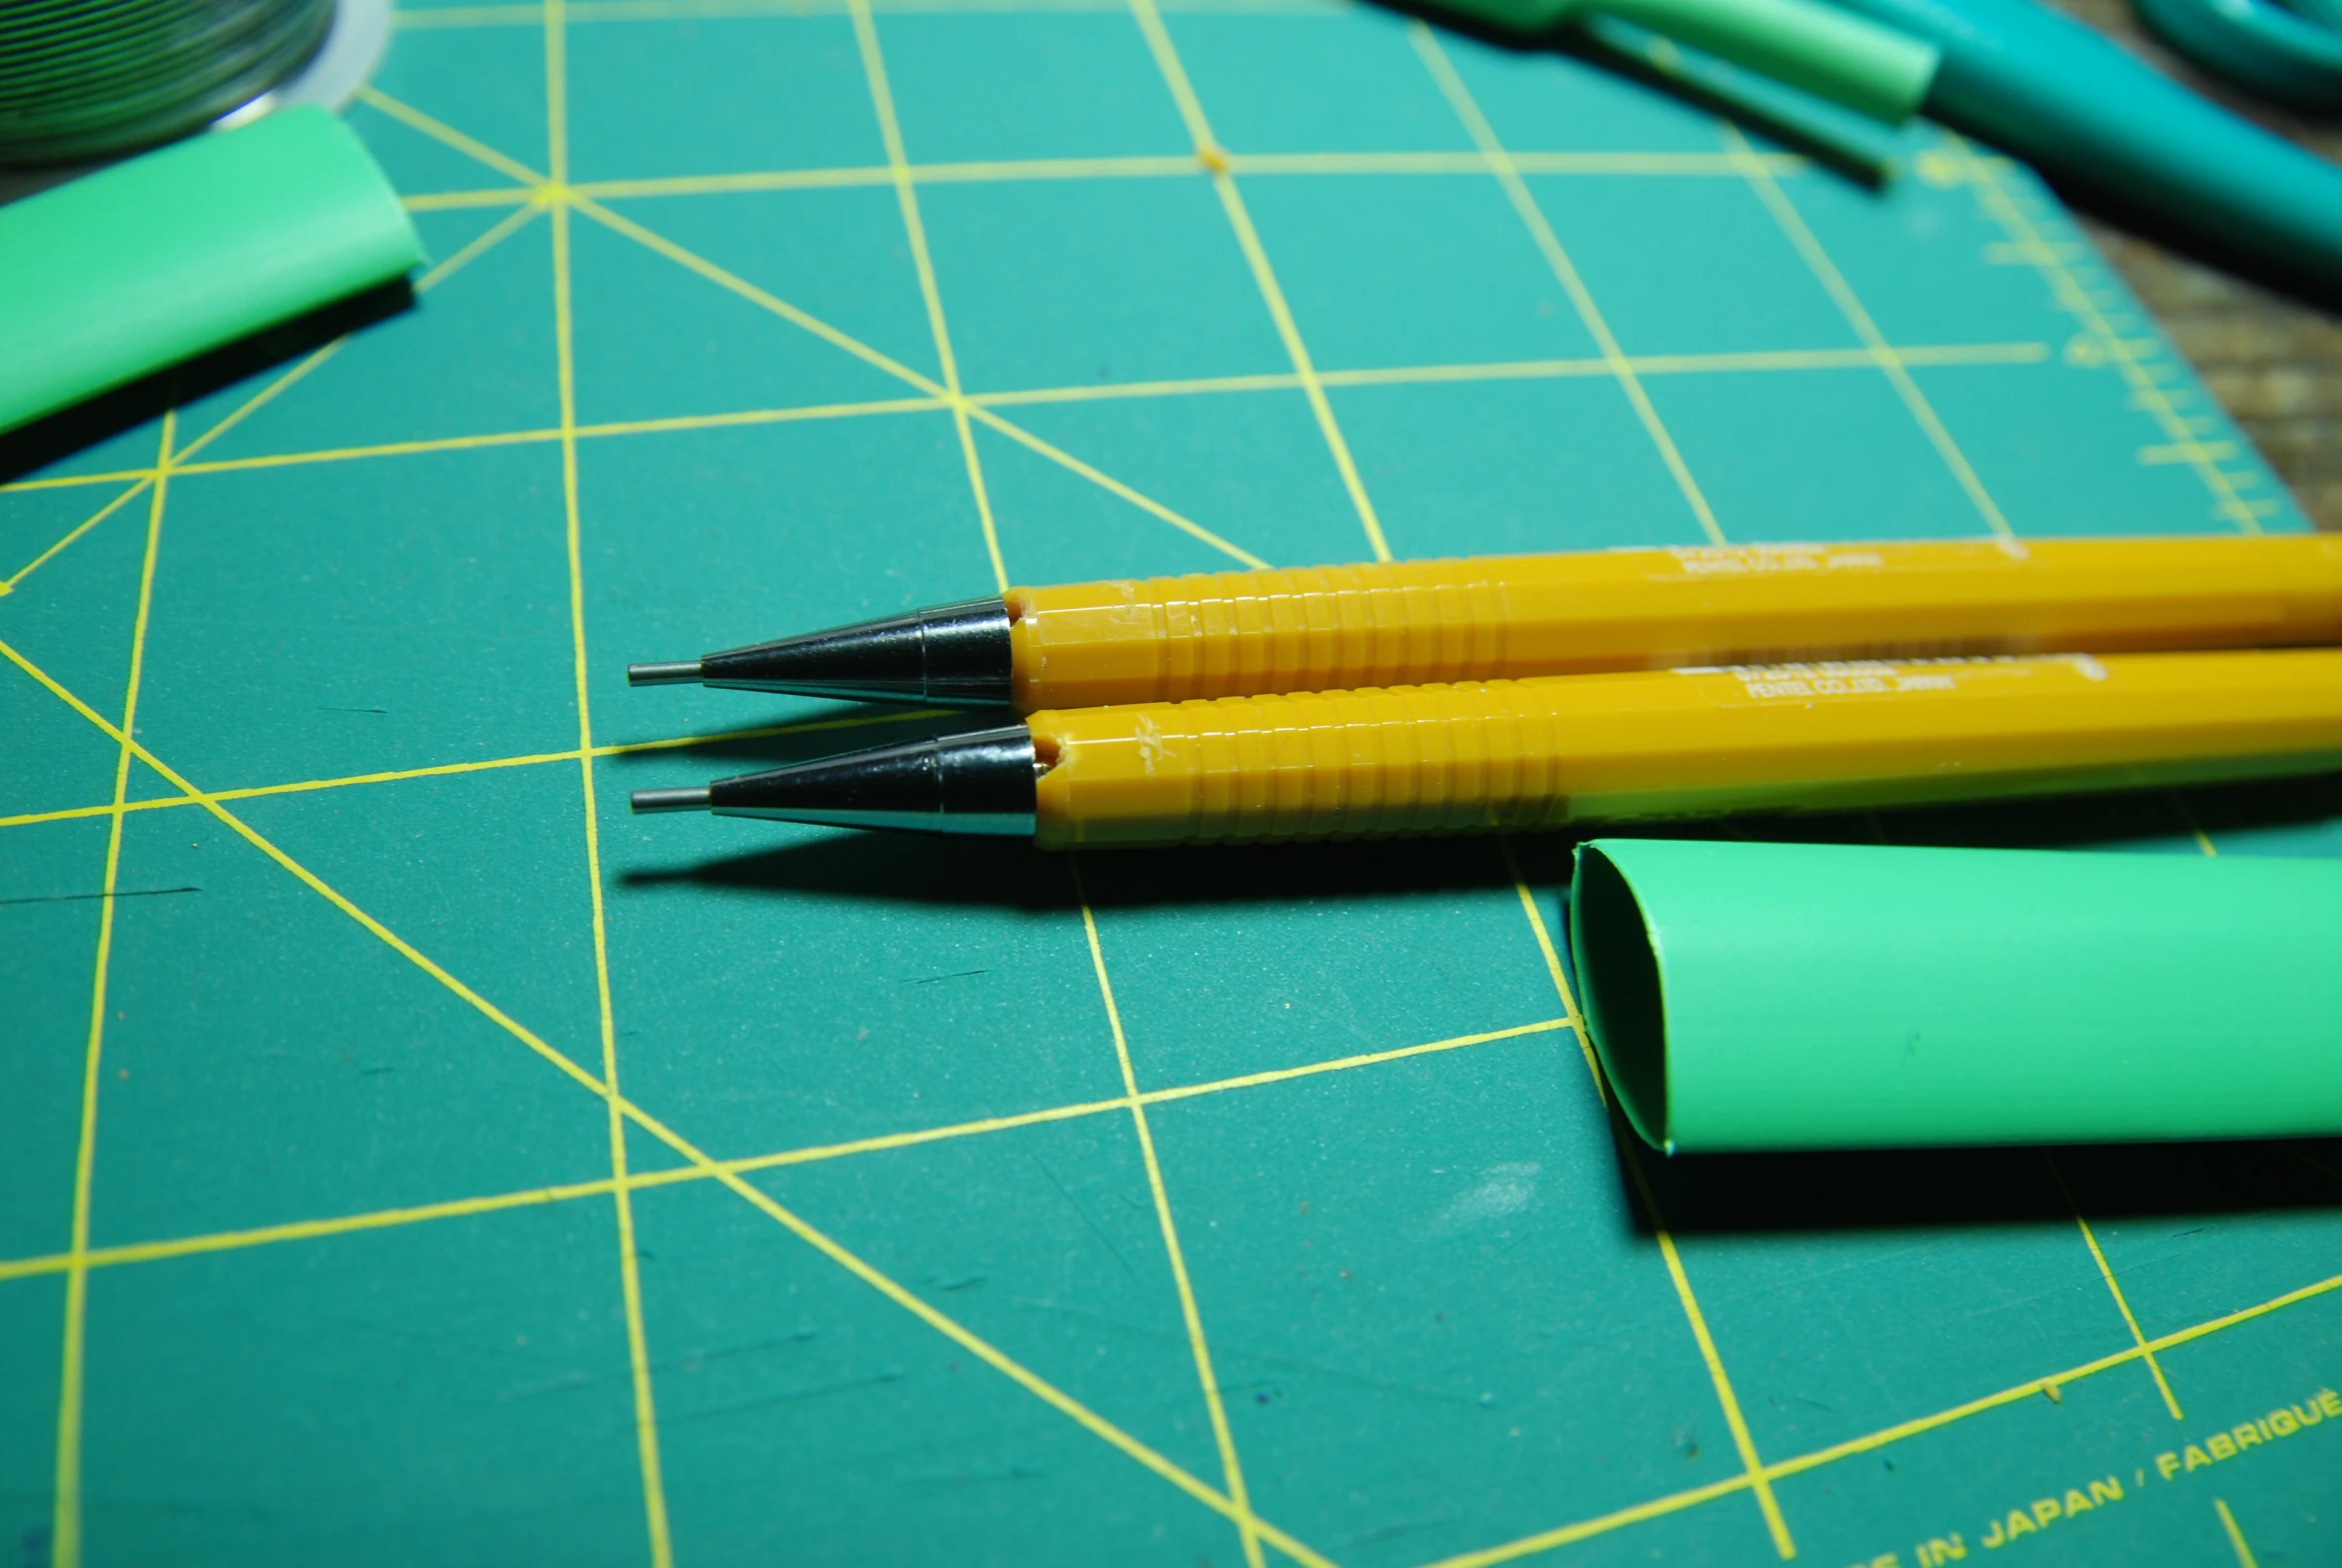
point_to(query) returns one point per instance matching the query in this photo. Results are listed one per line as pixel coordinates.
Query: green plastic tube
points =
(138, 266)
(1855, 144)
(1851, 60)
(1785, 995)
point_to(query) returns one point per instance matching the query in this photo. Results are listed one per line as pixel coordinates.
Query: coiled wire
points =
(90, 79)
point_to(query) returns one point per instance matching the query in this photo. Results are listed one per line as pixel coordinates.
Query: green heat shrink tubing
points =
(1785, 995)
(124, 272)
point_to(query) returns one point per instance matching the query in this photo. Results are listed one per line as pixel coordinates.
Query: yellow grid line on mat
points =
(1885, 1436)
(487, 241)
(1987, 177)
(1810, 249)
(126, 1253)
(1752, 1471)
(554, 193)
(1009, 170)
(1047, 1392)
(801, 319)
(1032, 1382)
(2236, 1540)
(1731, 361)
(1231, 1467)
(813, 1153)
(1525, 1546)
(900, 372)
(213, 805)
(439, 131)
(2203, 841)
(643, 1390)
(424, 285)
(65, 1510)
(2113, 1288)
(882, 104)
(73, 534)
(1215, 160)
(1738, 363)
(1507, 169)
(488, 764)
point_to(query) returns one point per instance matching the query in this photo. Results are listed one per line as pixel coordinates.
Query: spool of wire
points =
(87, 78)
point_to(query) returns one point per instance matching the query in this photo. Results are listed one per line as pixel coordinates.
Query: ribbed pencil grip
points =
(1406, 624)
(1426, 759)
(1565, 749)
(1169, 639)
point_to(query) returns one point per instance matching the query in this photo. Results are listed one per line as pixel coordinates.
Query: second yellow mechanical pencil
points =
(1168, 640)
(1562, 750)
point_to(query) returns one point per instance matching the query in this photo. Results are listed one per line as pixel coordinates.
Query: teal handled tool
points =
(2290, 53)
(1799, 996)
(2034, 83)
(2053, 92)
(138, 266)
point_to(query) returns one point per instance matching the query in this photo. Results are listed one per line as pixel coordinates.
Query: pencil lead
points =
(645, 802)
(957, 653)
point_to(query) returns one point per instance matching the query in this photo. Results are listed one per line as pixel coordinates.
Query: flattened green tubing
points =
(121, 273)
(1853, 141)
(1847, 59)
(1867, 68)
(1782, 996)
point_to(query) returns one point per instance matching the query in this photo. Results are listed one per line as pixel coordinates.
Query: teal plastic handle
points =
(1787, 996)
(1850, 60)
(2266, 49)
(2047, 88)
(123, 272)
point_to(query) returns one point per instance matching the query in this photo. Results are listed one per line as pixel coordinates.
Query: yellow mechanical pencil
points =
(1558, 752)
(1168, 640)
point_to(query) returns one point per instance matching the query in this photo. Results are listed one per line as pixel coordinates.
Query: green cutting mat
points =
(449, 1169)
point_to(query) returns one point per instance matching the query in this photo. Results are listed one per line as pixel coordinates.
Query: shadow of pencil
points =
(918, 868)
(825, 733)
(901, 868)
(1003, 873)
(1895, 1189)
(85, 425)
